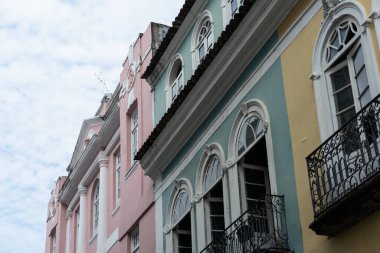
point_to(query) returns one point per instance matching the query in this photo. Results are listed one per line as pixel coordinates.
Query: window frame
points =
(117, 159)
(135, 241)
(345, 11)
(95, 208)
(178, 82)
(134, 135)
(204, 17)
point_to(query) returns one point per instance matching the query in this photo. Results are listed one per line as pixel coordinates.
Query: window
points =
(344, 73)
(251, 129)
(214, 206)
(182, 223)
(205, 39)
(135, 241)
(229, 8)
(95, 209)
(176, 79)
(134, 135)
(54, 243)
(117, 177)
(77, 232)
(202, 38)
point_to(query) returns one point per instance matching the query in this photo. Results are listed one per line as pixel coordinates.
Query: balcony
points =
(261, 228)
(344, 173)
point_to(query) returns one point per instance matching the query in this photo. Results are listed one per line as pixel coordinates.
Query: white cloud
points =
(50, 51)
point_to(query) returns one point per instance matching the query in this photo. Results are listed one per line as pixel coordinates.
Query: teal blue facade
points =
(270, 90)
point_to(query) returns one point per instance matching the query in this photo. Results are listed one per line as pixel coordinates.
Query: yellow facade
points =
(296, 63)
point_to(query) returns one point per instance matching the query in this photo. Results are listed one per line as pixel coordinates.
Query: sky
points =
(53, 54)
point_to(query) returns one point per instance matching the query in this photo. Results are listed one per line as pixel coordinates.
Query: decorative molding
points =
(166, 229)
(244, 109)
(374, 15)
(314, 76)
(197, 197)
(103, 160)
(365, 24)
(328, 5)
(229, 164)
(266, 125)
(69, 214)
(82, 190)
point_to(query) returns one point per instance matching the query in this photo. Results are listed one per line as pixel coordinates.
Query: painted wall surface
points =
(304, 131)
(184, 50)
(268, 89)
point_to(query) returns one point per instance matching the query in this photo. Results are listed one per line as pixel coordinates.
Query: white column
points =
(82, 219)
(68, 228)
(102, 225)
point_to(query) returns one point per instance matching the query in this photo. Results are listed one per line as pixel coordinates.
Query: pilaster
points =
(102, 225)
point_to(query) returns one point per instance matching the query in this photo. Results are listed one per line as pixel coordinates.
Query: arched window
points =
(250, 131)
(95, 208)
(343, 69)
(174, 79)
(181, 221)
(203, 38)
(229, 8)
(214, 203)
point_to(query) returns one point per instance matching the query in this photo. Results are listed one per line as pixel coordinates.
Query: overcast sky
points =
(51, 52)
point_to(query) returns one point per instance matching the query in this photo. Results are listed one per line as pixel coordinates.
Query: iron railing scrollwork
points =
(260, 229)
(347, 159)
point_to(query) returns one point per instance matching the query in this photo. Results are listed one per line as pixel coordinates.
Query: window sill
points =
(93, 238)
(116, 209)
(131, 170)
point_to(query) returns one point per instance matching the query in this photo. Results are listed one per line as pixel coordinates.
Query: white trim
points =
(159, 224)
(168, 90)
(115, 210)
(112, 239)
(357, 13)
(275, 53)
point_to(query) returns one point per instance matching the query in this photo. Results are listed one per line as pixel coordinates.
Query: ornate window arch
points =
(95, 207)
(202, 38)
(344, 71)
(175, 79)
(212, 192)
(250, 135)
(179, 228)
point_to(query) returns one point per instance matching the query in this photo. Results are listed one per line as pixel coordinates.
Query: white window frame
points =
(227, 10)
(134, 135)
(135, 241)
(117, 177)
(195, 43)
(181, 185)
(95, 209)
(178, 83)
(347, 10)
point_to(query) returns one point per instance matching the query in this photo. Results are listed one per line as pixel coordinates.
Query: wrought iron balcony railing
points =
(345, 162)
(261, 228)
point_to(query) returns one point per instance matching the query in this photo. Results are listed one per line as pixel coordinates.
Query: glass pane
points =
(250, 137)
(340, 78)
(217, 223)
(216, 234)
(254, 176)
(217, 191)
(335, 40)
(358, 60)
(365, 99)
(184, 240)
(233, 5)
(201, 51)
(362, 81)
(346, 116)
(343, 99)
(343, 33)
(255, 191)
(216, 208)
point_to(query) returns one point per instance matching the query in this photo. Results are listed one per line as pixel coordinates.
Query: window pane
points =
(216, 208)
(366, 98)
(254, 176)
(343, 99)
(340, 78)
(233, 5)
(255, 191)
(201, 51)
(358, 60)
(362, 80)
(347, 115)
(217, 223)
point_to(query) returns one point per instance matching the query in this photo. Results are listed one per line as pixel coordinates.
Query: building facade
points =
(106, 202)
(257, 124)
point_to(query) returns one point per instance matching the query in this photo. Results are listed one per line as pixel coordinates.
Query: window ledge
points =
(93, 238)
(131, 170)
(116, 209)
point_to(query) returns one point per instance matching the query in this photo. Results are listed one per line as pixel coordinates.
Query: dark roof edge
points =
(168, 37)
(202, 67)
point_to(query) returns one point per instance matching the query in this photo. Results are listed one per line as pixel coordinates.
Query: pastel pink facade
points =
(106, 203)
